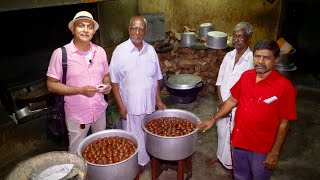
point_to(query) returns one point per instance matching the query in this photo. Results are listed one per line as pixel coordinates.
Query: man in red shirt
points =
(265, 101)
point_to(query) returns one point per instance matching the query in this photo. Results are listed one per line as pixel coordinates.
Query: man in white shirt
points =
(233, 65)
(135, 75)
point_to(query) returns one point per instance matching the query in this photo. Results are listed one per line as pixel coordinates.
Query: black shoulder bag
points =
(57, 114)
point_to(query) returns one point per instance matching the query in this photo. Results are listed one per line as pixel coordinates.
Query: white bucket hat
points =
(83, 15)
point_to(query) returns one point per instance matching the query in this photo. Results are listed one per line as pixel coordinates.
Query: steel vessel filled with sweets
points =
(110, 154)
(171, 141)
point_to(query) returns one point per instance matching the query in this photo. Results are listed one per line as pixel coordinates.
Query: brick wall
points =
(203, 63)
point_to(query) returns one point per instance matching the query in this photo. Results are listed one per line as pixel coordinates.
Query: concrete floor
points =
(299, 158)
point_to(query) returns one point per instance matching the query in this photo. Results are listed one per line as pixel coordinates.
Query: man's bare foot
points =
(212, 161)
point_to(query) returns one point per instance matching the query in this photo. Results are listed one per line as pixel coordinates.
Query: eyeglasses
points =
(258, 57)
(239, 38)
(139, 29)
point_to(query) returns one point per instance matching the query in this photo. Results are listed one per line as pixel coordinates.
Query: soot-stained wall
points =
(224, 15)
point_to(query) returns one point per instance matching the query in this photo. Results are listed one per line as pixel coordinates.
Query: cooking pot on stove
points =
(126, 170)
(184, 85)
(171, 148)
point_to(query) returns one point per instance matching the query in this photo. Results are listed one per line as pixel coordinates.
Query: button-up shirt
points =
(229, 72)
(261, 107)
(80, 108)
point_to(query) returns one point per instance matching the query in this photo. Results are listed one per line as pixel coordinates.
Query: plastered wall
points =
(223, 14)
(114, 17)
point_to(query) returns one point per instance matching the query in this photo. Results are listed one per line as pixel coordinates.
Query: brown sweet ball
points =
(170, 126)
(109, 150)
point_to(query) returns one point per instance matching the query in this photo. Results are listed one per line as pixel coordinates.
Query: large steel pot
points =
(124, 170)
(184, 85)
(204, 28)
(216, 40)
(188, 39)
(171, 148)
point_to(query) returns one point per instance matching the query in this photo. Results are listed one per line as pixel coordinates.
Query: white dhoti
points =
(224, 129)
(133, 124)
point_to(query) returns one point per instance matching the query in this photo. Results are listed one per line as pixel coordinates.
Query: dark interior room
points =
(31, 34)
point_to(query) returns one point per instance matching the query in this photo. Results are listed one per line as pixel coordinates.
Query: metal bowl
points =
(171, 148)
(32, 167)
(126, 170)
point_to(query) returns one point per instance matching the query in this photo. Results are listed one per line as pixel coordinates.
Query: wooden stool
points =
(155, 168)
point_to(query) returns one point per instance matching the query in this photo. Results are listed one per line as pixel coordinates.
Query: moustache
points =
(260, 66)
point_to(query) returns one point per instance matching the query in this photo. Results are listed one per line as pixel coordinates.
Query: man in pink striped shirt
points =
(87, 68)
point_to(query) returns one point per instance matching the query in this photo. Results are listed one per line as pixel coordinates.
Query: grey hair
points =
(145, 21)
(245, 26)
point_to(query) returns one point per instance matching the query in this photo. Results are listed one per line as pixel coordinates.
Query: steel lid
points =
(183, 81)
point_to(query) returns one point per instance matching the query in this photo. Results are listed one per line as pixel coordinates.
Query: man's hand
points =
(160, 105)
(123, 113)
(107, 90)
(271, 161)
(207, 124)
(89, 91)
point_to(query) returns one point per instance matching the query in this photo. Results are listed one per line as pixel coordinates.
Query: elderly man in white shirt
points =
(135, 74)
(231, 68)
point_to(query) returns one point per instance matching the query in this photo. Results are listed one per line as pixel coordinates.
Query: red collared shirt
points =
(260, 108)
(80, 108)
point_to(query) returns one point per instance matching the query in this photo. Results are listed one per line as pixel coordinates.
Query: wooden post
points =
(154, 168)
(180, 170)
(189, 167)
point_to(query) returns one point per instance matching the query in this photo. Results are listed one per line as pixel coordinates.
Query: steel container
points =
(171, 148)
(31, 168)
(188, 39)
(216, 40)
(185, 87)
(204, 28)
(124, 170)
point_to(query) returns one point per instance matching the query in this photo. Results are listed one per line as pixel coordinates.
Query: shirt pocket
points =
(149, 68)
(97, 73)
(267, 115)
